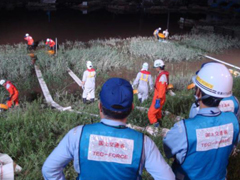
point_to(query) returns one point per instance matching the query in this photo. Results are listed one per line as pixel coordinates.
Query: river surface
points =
(72, 24)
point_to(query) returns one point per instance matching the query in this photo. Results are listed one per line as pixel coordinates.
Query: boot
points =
(84, 100)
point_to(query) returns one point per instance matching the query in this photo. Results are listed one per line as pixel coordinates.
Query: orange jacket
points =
(161, 87)
(51, 43)
(29, 39)
(11, 88)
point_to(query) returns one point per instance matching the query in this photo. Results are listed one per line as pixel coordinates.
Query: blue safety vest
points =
(207, 156)
(234, 101)
(98, 163)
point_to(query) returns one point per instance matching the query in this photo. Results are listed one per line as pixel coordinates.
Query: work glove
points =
(157, 103)
(8, 99)
(156, 124)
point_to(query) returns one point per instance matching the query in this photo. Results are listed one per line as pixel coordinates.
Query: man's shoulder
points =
(76, 130)
(135, 131)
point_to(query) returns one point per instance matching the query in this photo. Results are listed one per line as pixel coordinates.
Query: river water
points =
(72, 24)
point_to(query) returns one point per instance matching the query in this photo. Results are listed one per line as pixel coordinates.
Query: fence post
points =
(56, 45)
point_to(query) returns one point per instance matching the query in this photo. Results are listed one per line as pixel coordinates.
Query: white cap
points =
(159, 29)
(27, 34)
(48, 39)
(214, 79)
(89, 65)
(2, 81)
(145, 66)
(158, 63)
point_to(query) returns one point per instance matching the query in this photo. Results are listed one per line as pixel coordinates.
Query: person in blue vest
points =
(202, 145)
(226, 104)
(108, 150)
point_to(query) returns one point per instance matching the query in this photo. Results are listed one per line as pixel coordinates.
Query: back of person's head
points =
(2, 82)
(145, 66)
(116, 97)
(159, 63)
(215, 82)
(89, 65)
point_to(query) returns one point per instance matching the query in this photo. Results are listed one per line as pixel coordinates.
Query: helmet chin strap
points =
(199, 99)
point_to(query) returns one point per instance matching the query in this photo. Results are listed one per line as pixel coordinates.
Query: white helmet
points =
(48, 39)
(158, 63)
(145, 66)
(89, 65)
(2, 81)
(214, 79)
(27, 35)
(159, 29)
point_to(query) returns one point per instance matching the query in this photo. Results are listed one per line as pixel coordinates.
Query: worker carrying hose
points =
(207, 140)
(108, 150)
(30, 41)
(160, 89)
(13, 93)
(88, 83)
(143, 80)
(51, 44)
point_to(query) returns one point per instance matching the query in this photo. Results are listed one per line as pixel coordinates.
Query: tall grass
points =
(106, 55)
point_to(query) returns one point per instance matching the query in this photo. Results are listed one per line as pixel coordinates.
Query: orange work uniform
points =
(13, 93)
(51, 43)
(159, 93)
(30, 40)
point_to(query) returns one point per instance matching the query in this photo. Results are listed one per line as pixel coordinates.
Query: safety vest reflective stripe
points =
(142, 79)
(91, 74)
(11, 88)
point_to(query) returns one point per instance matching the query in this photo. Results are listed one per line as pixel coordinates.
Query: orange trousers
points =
(155, 114)
(13, 100)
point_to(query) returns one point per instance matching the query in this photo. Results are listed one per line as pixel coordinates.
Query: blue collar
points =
(212, 111)
(112, 122)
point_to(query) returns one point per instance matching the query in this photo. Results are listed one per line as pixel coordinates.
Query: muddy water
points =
(230, 56)
(71, 24)
(181, 68)
(177, 68)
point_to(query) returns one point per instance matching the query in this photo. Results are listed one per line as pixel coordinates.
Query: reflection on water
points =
(73, 24)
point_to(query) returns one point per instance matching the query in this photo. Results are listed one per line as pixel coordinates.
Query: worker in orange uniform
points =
(155, 110)
(30, 41)
(51, 44)
(13, 93)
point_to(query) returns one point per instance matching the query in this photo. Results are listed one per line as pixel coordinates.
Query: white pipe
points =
(46, 92)
(75, 78)
(231, 65)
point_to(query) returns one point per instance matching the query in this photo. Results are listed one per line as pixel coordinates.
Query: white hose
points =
(228, 64)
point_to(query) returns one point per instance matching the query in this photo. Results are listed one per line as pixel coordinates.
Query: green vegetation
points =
(29, 133)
